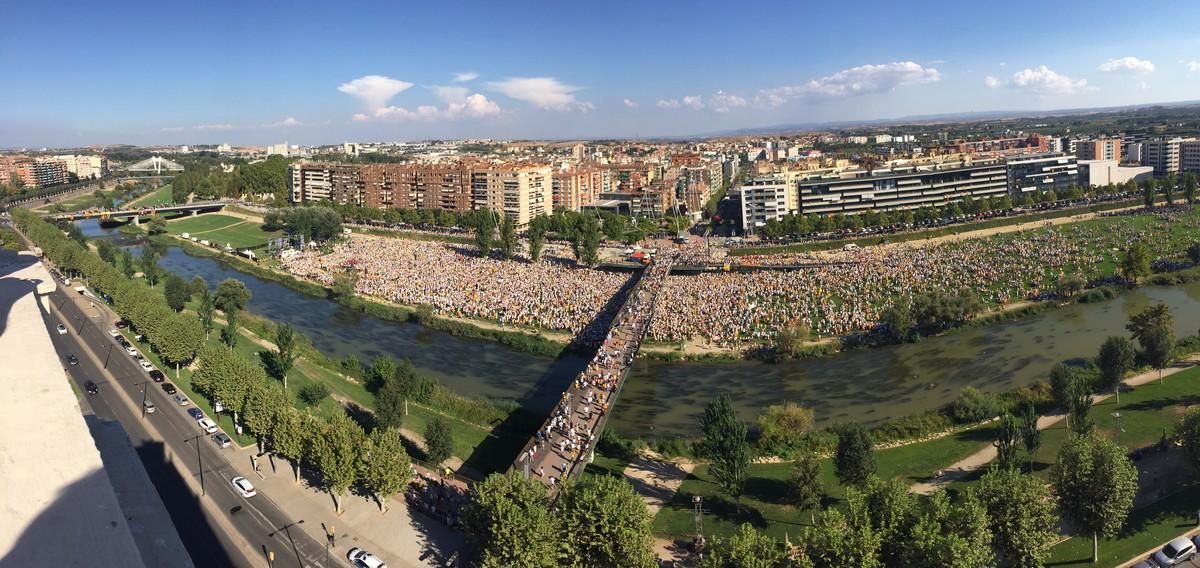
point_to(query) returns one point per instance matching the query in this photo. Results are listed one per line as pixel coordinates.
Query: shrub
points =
(312, 394)
(973, 406)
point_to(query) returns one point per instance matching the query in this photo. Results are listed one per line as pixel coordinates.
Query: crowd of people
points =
(437, 496)
(563, 442)
(457, 282)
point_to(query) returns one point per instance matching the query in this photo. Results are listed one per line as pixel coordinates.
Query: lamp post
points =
(199, 456)
(1116, 427)
(288, 533)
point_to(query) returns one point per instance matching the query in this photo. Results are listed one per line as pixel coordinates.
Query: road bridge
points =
(135, 214)
(562, 447)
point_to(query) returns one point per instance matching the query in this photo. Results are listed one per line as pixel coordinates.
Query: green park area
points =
(223, 229)
(160, 196)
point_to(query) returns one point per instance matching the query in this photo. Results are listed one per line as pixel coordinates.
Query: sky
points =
(260, 72)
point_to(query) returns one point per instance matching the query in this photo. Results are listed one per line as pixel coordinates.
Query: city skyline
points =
(246, 75)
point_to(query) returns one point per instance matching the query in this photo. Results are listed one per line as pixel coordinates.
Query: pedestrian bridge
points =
(563, 446)
(135, 214)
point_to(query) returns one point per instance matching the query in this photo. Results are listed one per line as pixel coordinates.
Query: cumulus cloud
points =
(1045, 81)
(458, 105)
(1192, 66)
(722, 101)
(1127, 65)
(991, 82)
(693, 102)
(542, 92)
(861, 80)
(667, 103)
(630, 103)
(466, 76)
(213, 127)
(289, 121)
(374, 91)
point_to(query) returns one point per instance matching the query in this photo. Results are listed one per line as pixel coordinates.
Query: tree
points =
(1188, 433)
(336, 452)
(199, 286)
(807, 491)
(789, 340)
(344, 284)
(725, 444)
(1116, 358)
(844, 539)
(207, 312)
(265, 404)
(508, 520)
(1007, 437)
(232, 294)
(1148, 193)
(892, 511)
(1079, 406)
(947, 533)
(181, 188)
(537, 239)
(313, 393)
(1189, 188)
(285, 354)
(973, 406)
(178, 340)
(229, 334)
(1096, 484)
(1168, 187)
(485, 227)
(745, 548)
(1068, 286)
(128, 268)
(1152, 328)
(157, 225)
(1021, 516)
(508, 237)
(107, 251)
(896, 321)
(854, 459)
(149, 265)
(290, 437)
(586, 240)
(782, 427)
(389, 404)
(605, 523)
(381, 370)
(177, 292)
(1135, 265)
(439, 442)
(386, 468)
(1031, 435)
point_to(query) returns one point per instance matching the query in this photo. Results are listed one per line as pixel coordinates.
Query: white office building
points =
(764, 199)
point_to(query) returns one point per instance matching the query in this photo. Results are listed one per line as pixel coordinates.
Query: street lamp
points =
(1116, 427)
(199, 456)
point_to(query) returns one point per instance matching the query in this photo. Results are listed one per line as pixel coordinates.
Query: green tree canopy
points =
(386, 468)
(177, 292)
(232, 294)
(508, 520)
(725, 445)
(1021, 516)
(439, 442)
(854, 458)
(1096, 483)
(605, 523)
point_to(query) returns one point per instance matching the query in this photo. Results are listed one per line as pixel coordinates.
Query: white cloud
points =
(693, 102)
(374, 91)
(213, 127)
(1044, 81)
(289, 121)
(451, 94)
(667, 103)
(541, 92)
(464, 77)
(722, 101)
(991, 82)
(1145, 86)
(861, 80)
(630, 103)
(460, 103)
(1193, 66)
(1127, 65)
(172, 129)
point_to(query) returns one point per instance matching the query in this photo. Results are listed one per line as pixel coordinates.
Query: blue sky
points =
(322, 72)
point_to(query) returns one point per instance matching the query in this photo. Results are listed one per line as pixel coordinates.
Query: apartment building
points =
(763, 199)
(1189, 155)
(417, 186)
(521, 192)
(1100, 149)
(343, 184)
(49, 171)
(1162, 154)
(573, 189)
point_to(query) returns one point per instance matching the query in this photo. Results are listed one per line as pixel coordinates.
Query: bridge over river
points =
(563, 446)
(135, 214)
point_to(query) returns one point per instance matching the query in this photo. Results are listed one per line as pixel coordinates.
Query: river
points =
(666, 398)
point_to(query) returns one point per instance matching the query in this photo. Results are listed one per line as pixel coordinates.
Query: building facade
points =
(1189, 155)
(900, 188)
(519, 192)
(1101, 149)
(763, 199)
(1162, 154)
(1041, 172)
(1094, 173)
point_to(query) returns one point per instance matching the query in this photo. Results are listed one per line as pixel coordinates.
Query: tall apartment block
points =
(1162, 154)
(520, 192)
(1101, 149)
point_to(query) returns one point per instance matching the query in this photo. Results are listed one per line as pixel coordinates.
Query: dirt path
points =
(657, 480)
(230, 226)
(977, 460)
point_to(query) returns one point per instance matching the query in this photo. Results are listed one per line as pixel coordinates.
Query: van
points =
(148, 407)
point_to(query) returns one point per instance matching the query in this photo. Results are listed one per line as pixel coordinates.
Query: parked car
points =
(149, 407)
(131, 351)
(115, 333)
(121, 324)
(364, 559)
(195, 413)
(158, 376)
(146, 366)
(221, 440)
(207, 425)
(181, 400)
(62, 329)
(243, 486)
(169, 388)
(91, 387)
(1175, 552)
(72, 360)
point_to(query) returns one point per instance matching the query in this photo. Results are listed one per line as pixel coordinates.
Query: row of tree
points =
(312, 223)
(208, 180)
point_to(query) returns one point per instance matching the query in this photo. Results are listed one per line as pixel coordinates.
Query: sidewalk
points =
(977, 460)
(400, 537)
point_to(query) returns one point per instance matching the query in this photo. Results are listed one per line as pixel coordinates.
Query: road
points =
(204, 522)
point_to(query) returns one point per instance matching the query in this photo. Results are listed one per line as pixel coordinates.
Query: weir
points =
(566, 441)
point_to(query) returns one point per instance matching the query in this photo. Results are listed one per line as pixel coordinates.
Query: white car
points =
(181, 400)
(62, 329)
(1175, 552)
(207, 425)
(243, 486)
(131, 351)
(146, 366)
(114, 332)
(363, 559)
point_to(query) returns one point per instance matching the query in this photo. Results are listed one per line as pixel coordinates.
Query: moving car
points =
(91, 387)
(221, 440)
(243, 486)
(195, 413)
(72, 360)
(169, 388)
(207, 425)
(149, 406)
(62, 329)
(181, 400)
(1175, 552)
(363, 559)
(158, 376)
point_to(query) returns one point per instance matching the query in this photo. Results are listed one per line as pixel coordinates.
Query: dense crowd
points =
(458, 282)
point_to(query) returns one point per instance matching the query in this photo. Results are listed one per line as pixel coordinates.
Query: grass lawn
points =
(1146, 528)
(10, 240)
(223, 229)
(160, 196)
